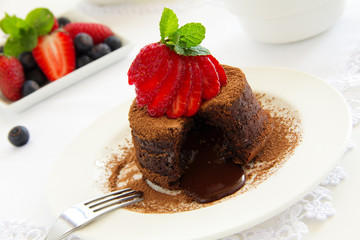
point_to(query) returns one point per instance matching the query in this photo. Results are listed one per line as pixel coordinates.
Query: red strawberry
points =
(180, 103)
(220, 70)
(174, 84)
(148, 71)
(55, 26)
(209, 76)
(55, 55)
(149, 60)
(147, 90)
(168, 89)
(196, 93)
(11, 77)
(98, 32)
(146, 63)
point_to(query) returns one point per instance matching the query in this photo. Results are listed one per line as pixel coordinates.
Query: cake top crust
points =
(155, 127)
(236, 82)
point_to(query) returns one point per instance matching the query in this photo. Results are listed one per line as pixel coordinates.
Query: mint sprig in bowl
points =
(23, 33)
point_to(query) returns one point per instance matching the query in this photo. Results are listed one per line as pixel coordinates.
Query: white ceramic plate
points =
(71, 78)
(327, 127)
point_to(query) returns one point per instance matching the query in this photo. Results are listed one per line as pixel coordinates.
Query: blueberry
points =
(83, 42)
(1, 49)
(82, 60)
(99, 50)
(19, 136)
(37, 75)
(62, 21)
(29, 86)
(114, 42)
(27, 60)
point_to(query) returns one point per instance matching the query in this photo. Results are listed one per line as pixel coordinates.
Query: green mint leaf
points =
(179, 49)
(168, 23)
(13, 25)
(197, 50)
(16, 45)
(41, 19)
(173, 39)
(191, 34)
(193, 51)
(185, 40)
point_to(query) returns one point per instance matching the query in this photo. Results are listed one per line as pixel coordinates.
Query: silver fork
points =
(86, 212)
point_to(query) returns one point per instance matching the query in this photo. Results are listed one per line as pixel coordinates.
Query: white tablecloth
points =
(58, 119)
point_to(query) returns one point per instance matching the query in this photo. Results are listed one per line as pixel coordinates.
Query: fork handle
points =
(60, 230)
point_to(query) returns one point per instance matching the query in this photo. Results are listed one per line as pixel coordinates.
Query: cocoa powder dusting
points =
(119, 169)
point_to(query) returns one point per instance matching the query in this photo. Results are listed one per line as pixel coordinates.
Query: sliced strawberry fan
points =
(174, 84)
(167, 92)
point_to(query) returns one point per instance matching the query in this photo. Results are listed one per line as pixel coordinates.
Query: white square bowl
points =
(71, 78)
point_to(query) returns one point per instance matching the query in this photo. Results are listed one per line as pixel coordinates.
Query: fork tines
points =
(120, 198)
(81, 214)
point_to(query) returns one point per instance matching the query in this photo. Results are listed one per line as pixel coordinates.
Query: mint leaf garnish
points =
(197, 50)
(174, 39)
(191, 34)
(23, 34)
(168, 23)
(184, 40)
(14, 46)
(41, 19)
(193, 51)
(13, 25)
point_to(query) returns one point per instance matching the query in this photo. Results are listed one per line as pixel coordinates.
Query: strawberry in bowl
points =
(11, 77)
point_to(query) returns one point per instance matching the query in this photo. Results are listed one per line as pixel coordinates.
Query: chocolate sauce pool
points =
(211, 175)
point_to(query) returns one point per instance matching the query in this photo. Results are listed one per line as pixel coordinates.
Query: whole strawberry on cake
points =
(194, 121)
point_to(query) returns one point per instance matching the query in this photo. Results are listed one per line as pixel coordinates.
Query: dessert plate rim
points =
(72, 78)
(326, 131)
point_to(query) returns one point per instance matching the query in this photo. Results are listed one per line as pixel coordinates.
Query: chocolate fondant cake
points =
(158, 142)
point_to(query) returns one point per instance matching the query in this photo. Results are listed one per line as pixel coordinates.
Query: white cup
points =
(283, 21)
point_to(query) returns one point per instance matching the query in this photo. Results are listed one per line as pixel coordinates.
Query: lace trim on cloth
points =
(290, 223)
(21, 230)
(349, 85)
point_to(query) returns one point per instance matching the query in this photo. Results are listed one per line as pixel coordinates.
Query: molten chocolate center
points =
(210, 175)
